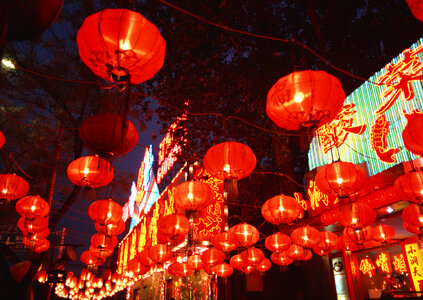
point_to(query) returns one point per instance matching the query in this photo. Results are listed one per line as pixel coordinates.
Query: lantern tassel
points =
(231, 189)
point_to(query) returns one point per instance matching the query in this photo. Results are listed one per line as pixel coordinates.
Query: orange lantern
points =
(320, 251)
(383, 233)
(171, 269)
(111, 228)
(173, 226)
(409, 187)
(32, 226)
(12, 187)
(103, 134)
(304, 99)
(90, 171)
(277, 242)
(121, 45)
(329, 241)
(105, 212)
(307, 255)
(295, 252)
(245, 235)
(281, 259)
(237, 262)
(306, 236)
(264, 265)
(211, 270)
(100, 252)
(160, 253)
(356, 214)
(144, 258)
(91, 260)
(411, 228)
(281, 209)
(183, 269)
(195, 262)
(223, 270)
(193, 195)
(224, 241)
(413, 214)
(252, 256)
(342, 178)
(32, 207)
(103, 241)
(358, 235)
(248, 269)
(213, 256)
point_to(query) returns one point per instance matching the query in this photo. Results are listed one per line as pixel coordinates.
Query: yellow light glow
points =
(354, 220)
(86, 171)
(7, 63)
(124, 45)
(190, 196)
(339, 180)
(4, 191)
(298, 97)
(33, 207)
(227, 168)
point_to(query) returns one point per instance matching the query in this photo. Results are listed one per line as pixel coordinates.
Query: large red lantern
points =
(173, 226)
(32, 207)
(41, 235)
(358, 235)
(295, 252)
(90, 171)
(413, 214)
(183, 269)
(144, 258)
(31, 243)
(277, 242)
(308, 254)
(111, 228)
(281, 209)
(412, 133)
(342, 178)
(101, 252)
(195, 262)
(304, 99)
(383, 233)
(329, 240)
(32, 226)
(105, 212)
(411, 228)
(252, 256)
(89, 259)
(306, 236)
(118, 43)
(103, 241)
(223, 270)
(12, 187)
(409, 187)
(356, 214)
(416, 7)
(237, 262)
(160, 253)
(213, 256)
(281, 259)
(193, 195)
(224, 241)
(245, 235)
(44, 245)
(103, 134)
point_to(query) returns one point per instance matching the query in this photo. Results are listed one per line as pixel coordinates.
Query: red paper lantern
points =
(183, 269)
(356, 214)
(105, 212)
(306, 236)
(103, 241)
(304, 99)
(252, 256)
(358, 235)
(44, 245)
(281, 209)
(345, 244)
(135, 267)
(12, 187)
(248, 269)
(172, 269)
(264, 265)
(116, 43)
(383, 233)
(32, 207)
(90, 171)
(412, 133)
(409, 187)
(224, 241)
(173, 226)
(111, 228)
(103, 134)
(277, 242)
(211, 270)
(245, 235)
(411, 228)
(342, 178)
(295, 252)
(237, 262)
(31, 243)
(41, 235)
(230, 160)
(32, 226)
(144, 258)
(193, 195)
(308, 254)
(195, 262)
(413, 214)
(281, 259)
(212, 256)
(223, 270)
(91, 260)
(329, 241)
(320, 251)
(2, 139)
(101, 252)
(416, 7)
(160, 253)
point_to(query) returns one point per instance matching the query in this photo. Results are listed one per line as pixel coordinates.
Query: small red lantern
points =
(224, 241)
(245, 235)
(160, 253)
(342, 178)
(416, 7)
(103, 134)
(101, 252)
(409, 187)
(12, 187)
(264, 265)
(345, 244)
(358, 235)
(32, 207)
(32, 243)
(320, 251)
(144, 258)
(172, 269)
(105, 212)
(91, 260)
(329, 241)
(237, 262)
(41, 235)
(183, 269)
(295, 252)
(211, 270)
(135, 267)
(118, 43)
(193, 195)
(44, 245)
(281, 259)
(277, 242)
(32, 226)
(413, 214)
(173, 226)
(103, 241)
(308, 254)
(111, 228)
(356, 214)
(252, 256)
(2, 139)
(412, 133)
(195, 262)
(304, 99)
(281, 209)
(248, 269)
(383, 233)
(306, 236)
(213, 256)
(223, 270)
(90, 171)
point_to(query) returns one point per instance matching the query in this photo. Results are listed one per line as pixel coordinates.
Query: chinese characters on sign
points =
(399, 264)
(383, 261)
(415, 263)
(367, 267)
(378, 135)
(317, 197)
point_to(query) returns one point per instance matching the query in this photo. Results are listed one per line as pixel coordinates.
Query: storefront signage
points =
(415, 264)
(383, 261)
(367, 267)
(399, 263)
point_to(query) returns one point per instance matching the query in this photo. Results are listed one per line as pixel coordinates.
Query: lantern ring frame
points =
(115, 77)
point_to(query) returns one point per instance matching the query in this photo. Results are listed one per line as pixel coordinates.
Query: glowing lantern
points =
(383, 233)
(304, 99)
(105, 212)
(171, 269)
(100, 240)
(356, 214)
(173, 226)
(118, 43)
(281, 209)
(237, 262)
(409, 187)
(32, 207)
(2, 139)
(245, 235)
(32, 226)
(416, 7)
(224, 241)
(295, 252)
(223, 270)
(412, 135)
(213, 256)
(90, 171)
(42, 276)
(277, 242)
(308, 254)
(328, 242)
(101, 252)
(248, 269)
(211, 270)
(39, 235)
(306, 236)
(195, 262)
(413, 214)
(144, 258)
(12, 187)
(321, 251)
(358, 235)
(346, 244)
(111, 228)
(193, 195)
(91, 260)
(252, 256)
(31, 243)
(103, 134)
(411, 228)
(183, 269)
(135, 267)
(281, 259)
(160, 253)
(264, 265)
(44, 245)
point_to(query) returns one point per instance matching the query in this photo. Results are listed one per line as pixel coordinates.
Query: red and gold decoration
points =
(378, 140)
(90, 171)
(367, 267)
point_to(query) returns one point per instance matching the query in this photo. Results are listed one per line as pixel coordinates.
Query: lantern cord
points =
(19, 167)
(6, 162)
(268, 37)
(281, 174)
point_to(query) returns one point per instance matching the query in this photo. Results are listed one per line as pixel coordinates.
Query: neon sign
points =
(399, 263)
(367, 267)
(383, 261)
(415, 263)
(380, 130)
(145, 176)
(316, 196)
